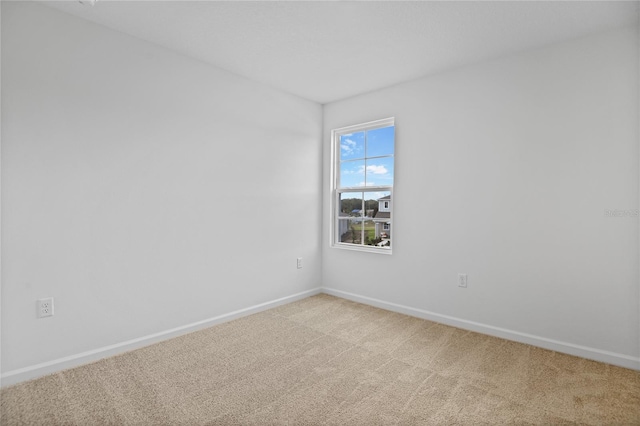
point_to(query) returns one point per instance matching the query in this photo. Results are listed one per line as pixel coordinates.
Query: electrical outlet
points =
(45, 307)
(462, 280)
(299, 263)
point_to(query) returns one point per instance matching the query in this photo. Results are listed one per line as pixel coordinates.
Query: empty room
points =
(320, 212)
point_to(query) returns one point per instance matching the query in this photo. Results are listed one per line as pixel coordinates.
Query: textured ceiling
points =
(325, 50)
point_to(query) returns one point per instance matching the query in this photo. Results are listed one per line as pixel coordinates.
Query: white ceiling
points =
(328, 50)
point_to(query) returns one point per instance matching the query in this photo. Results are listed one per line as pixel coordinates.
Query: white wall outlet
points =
(462, 280)
(45, 307)
(299, 263)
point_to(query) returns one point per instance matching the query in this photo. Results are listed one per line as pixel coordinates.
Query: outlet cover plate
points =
(45, 307)
(462, 280)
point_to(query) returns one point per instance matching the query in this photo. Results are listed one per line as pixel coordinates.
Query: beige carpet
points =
(325, 360)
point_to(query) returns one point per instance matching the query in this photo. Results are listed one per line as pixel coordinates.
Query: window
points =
(362, 188)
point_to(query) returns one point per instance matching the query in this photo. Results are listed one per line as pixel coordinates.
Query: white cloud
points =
(348, 146)
(380, 171)
(377, 170)
(358, 171)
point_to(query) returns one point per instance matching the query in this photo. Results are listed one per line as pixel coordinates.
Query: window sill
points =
(366, 249)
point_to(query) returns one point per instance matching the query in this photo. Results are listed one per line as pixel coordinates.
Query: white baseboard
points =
(542, 342)
(38, 370)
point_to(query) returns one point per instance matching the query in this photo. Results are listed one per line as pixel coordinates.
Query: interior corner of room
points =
(151, 194)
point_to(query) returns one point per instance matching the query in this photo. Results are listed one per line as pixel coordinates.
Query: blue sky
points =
(357, 168)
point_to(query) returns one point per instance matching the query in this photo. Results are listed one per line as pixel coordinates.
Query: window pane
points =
(351, 174)
(379, 171)
(345, 232)
(379, 205)
(380, 141)
(352, 146)
(351, 204)
(350, 218)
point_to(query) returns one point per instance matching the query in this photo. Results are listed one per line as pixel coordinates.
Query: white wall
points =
(503, 171)
(141, 189)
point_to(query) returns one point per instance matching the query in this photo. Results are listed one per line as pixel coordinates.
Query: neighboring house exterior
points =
(382, 219)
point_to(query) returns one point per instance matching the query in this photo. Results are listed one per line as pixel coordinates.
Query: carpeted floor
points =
(325, 360)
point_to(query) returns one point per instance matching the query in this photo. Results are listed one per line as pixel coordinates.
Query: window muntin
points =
(363, 177)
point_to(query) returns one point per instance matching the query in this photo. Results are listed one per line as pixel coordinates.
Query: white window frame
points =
(336, 191)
